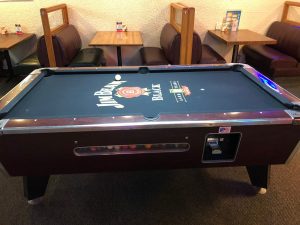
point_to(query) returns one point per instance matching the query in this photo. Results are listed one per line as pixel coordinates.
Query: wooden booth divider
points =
(186, 29)
(48, 32)
(284, 18)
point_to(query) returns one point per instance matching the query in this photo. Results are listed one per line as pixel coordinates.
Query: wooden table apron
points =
(240, 37)
(118, 39)
(8, 41)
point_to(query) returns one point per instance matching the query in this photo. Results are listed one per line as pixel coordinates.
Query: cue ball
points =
(118, 77)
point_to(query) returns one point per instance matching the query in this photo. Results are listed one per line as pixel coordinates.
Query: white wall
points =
(147, 16)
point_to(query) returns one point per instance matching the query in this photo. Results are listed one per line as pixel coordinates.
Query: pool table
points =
(87, 120)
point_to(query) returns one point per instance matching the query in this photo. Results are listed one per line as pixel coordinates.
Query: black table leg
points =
(119, 54)
(235, 54)
(8, 62)
(35, 187)
(259, 175)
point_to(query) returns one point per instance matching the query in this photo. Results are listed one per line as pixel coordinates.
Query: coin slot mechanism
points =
(221, 147)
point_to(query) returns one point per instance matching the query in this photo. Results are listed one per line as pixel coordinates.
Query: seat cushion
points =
(286, 72)
(66, 45)
(153, 56)
(170, 41)
(27, 65)
(288, 38)
(210, 56)
(268, 56)
(268, 60)
(89, 57)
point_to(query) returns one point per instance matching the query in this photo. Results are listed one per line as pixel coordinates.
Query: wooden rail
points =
(186, 29)
(48, 32)
(285, 12)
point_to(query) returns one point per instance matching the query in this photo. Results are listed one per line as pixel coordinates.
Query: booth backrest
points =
(288, 38)
(170, 41)
(66, 45)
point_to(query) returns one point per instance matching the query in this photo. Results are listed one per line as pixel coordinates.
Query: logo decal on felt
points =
(179, 91)
(107, 93)
(134, 92)
(131, 92)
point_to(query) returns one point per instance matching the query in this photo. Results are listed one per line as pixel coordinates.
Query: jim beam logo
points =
(180, 91)
(108, 92)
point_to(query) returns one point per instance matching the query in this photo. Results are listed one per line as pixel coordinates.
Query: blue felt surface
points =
(60, 95)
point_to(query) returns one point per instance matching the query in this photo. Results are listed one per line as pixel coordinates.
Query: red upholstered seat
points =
(210, 56)
(169, 53)
(281, 59)
(67, 49)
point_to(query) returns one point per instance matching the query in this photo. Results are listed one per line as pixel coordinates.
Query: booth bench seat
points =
(282, 59)
(67, 50)
(27, 65)
(169, 53)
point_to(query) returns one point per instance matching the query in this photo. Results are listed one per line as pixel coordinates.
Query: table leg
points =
(8, 62)
(259, 175)
(35, 188)
(235, 53)
(119, 54)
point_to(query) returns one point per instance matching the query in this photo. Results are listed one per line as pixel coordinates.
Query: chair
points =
(61, 46)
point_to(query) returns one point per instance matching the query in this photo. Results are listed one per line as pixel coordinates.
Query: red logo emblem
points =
(131, 92)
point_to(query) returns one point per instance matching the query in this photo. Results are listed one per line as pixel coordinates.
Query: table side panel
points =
(242, 37)
(113, 38)
(8, 41)
(23, 154)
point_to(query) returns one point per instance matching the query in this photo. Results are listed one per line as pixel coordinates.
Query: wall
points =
(147, 16)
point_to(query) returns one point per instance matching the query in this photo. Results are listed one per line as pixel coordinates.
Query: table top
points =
(82, 99)
(241, 37)
(114, 38)
(160, 93)
(9, 40)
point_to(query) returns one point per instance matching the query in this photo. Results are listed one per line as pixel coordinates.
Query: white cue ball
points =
(118, 77)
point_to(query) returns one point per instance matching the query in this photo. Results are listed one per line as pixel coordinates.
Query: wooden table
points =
(241, 37)
(8, 41)
(118, 39)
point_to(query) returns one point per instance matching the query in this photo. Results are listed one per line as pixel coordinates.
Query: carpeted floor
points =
(214, 196)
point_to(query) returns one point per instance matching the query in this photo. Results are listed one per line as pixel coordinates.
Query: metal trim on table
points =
(125, 69)
(19, 126)
(281, 94)
(2, 125)
(15, 95)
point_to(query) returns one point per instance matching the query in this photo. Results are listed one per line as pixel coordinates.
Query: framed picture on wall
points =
(233, 19)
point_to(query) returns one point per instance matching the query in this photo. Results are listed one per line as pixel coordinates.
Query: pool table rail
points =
(57, 125)
(17, 93)
(271, 87)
